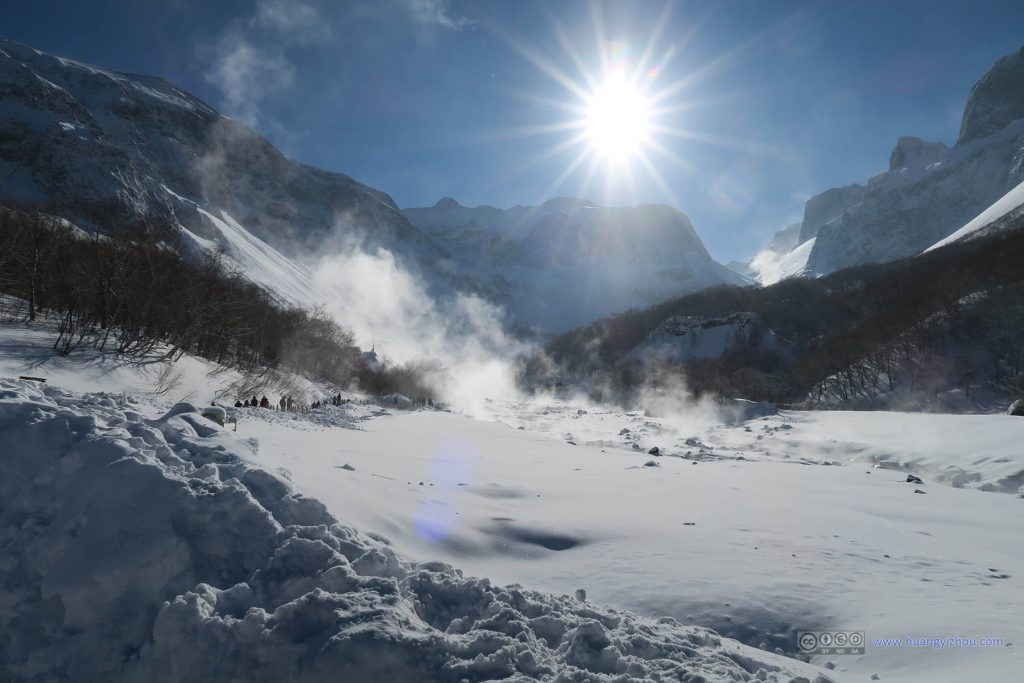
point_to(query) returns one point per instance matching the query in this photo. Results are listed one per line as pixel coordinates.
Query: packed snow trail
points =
(155, 550)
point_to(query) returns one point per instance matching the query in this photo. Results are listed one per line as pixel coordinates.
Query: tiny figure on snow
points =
(264, 402)
(238, 404)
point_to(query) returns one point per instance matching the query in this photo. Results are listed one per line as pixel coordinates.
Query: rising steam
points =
(462, 337)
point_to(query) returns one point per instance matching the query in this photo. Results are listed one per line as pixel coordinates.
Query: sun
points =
(617, 120)
(621, 106)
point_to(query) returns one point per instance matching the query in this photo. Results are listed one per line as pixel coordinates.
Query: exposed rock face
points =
(911, 151)
(827, 206)
(786, 239)
(996, 101)
(911, 207)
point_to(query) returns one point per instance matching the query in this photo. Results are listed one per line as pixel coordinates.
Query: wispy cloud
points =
(251, 61)
(437, 13)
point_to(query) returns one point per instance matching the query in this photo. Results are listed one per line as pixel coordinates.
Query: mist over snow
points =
(461, 340)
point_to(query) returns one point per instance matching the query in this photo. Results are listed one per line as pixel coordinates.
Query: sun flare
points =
(617, 121)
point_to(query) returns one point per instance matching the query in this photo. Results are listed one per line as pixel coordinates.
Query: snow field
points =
(755, 537)
(154, 549)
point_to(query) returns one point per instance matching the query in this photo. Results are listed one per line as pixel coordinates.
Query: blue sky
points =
(770, 101)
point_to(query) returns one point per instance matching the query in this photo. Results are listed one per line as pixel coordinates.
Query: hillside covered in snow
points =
(114, 151)
(929, 191)
(127, 153)
(569, 261)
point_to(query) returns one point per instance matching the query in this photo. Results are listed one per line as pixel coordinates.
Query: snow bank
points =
(154, 550)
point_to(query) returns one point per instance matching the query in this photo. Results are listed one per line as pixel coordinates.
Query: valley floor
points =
(756, 529)
(754, 537)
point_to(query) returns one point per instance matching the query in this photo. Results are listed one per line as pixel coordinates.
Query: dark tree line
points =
(951, 318)
(127, 290)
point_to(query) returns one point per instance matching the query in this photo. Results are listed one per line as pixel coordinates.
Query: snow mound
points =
(155, 550)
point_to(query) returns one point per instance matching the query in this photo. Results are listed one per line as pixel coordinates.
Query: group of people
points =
(333, 400)
(285, 404)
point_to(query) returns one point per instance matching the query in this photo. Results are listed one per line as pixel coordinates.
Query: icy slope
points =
(154, 550)
(569, 261)
(769, 267)
(1001, 215)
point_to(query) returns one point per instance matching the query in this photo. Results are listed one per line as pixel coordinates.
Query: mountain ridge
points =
(100, 147)
(929, 191)
(105, 146)
(567, 260)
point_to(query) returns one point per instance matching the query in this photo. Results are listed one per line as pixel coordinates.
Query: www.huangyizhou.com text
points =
(938, 643)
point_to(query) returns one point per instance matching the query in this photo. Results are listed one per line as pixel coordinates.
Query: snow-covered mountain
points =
(929, 191)
(102, 147)
(569, 261)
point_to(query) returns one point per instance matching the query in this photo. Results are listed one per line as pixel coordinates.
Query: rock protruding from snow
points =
(996, 100)
(143, 550)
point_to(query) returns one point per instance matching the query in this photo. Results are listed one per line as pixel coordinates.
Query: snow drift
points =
(143, 549)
